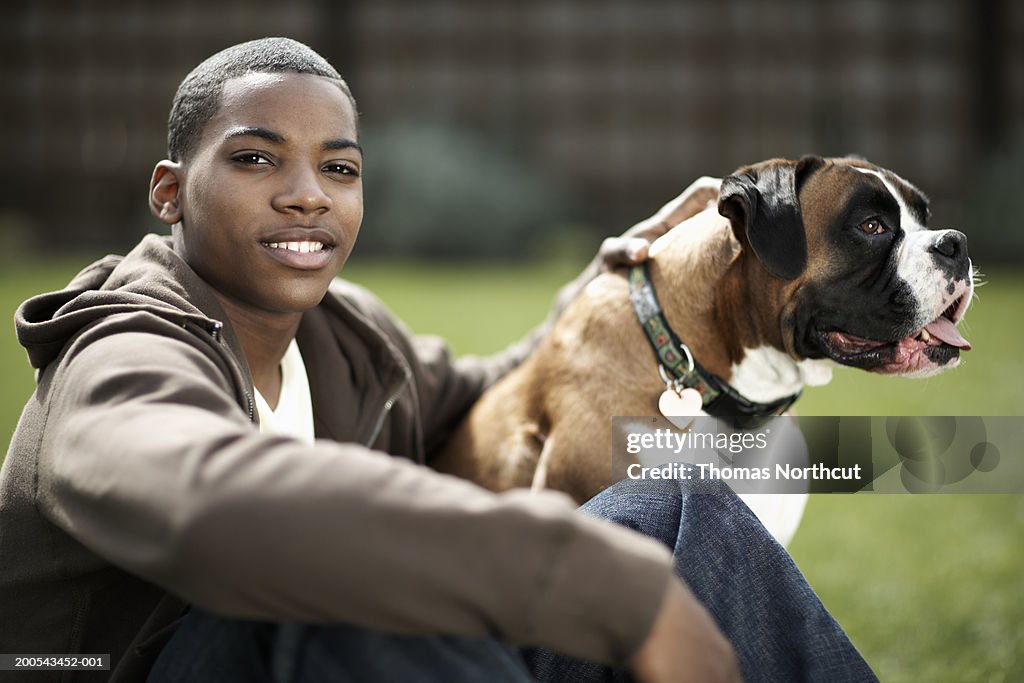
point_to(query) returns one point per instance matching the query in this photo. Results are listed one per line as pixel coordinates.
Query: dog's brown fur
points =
(547, 425)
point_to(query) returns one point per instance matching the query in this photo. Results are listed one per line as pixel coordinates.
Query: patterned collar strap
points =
(718, 397)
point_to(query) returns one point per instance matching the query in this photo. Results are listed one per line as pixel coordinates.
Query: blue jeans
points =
(779, 628)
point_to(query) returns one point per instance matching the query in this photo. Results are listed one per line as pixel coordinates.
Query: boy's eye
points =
(341, 169)
(251, 159)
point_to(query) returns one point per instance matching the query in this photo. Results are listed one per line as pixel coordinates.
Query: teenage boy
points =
(203, 476)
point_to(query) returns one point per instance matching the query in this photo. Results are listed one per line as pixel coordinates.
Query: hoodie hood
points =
(152, 278)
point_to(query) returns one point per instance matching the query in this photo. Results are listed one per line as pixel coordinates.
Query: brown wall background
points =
(617, 105)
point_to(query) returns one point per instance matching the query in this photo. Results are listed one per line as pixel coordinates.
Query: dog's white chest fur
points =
(766, 374)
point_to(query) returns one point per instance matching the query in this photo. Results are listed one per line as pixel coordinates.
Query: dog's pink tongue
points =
(942, 328)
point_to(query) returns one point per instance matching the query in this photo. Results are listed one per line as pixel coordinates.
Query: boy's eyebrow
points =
(256, 131)
(342, 143)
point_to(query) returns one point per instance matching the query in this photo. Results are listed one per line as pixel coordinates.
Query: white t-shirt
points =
(294, 413)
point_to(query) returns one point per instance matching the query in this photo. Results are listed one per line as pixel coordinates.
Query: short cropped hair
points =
(198, 96)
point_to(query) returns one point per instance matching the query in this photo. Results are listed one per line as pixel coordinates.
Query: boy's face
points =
(271, 199)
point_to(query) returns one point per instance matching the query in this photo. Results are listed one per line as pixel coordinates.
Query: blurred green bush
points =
(432, 190)
(994, 206)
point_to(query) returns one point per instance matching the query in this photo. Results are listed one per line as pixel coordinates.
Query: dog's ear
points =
(762, 202)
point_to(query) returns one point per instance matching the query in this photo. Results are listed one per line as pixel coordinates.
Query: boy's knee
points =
(656, 507)
(650, 507)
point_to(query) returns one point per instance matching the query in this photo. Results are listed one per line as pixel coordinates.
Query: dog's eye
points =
(873, 226)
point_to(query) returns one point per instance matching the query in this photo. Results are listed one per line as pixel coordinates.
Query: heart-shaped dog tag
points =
(681, 408)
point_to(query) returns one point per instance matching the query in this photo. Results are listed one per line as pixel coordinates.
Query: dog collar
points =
(718, 398)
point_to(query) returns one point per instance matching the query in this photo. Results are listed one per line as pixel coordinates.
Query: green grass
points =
(931, 588)
(18, 281)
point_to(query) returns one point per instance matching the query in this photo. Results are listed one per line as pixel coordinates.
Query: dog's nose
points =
(952, 245)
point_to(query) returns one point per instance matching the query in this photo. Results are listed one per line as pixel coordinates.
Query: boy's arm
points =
(148, 462)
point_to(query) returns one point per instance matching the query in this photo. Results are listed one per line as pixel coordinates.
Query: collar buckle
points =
(673, 384)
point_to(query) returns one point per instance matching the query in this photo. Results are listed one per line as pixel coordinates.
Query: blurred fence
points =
(594, 112)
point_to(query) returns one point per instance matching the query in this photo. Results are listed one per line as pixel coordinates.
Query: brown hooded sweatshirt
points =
(137, 483)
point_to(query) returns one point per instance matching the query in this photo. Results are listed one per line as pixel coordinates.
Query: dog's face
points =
(845, 249)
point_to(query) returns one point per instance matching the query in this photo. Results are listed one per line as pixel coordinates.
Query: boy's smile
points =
(301, 248)
(270, 201)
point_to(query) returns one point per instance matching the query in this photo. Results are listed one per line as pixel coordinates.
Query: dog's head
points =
(844, 247)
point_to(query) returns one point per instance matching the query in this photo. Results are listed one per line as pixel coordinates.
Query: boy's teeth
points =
(301, 247)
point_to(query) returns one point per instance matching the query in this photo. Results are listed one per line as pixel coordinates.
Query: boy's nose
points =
(302, 193)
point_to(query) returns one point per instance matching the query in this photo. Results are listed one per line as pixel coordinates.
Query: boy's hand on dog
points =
(685, 644)
(632, 246)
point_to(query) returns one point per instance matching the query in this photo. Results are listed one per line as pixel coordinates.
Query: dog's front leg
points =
(540, 475)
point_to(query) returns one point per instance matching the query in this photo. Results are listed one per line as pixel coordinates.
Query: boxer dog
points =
(805, 265)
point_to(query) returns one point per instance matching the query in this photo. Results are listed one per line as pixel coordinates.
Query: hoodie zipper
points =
(252, 411)
(388, 405)
(217, 332)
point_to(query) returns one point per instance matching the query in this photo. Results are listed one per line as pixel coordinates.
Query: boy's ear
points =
(165, 191)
